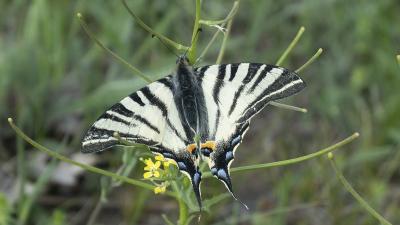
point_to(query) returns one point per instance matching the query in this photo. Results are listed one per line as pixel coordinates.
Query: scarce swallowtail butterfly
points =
(194, 114)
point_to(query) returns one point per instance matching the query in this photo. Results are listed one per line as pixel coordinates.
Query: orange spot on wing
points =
(191, 148)
(209, 145)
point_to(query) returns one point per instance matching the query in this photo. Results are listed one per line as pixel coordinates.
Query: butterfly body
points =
(194, 114)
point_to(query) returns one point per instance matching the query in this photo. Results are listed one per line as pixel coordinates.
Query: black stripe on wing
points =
(287, 84)
(147, 123)
(262, 76)
(251, 72)
(235, 99)
(116, 119)
(154, 100)
(234, 68)
(135, 97)
(217, 88)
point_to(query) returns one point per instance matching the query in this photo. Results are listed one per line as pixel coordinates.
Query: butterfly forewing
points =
(142, 117)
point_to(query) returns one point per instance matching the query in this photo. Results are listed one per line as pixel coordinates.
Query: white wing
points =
(148, 116)
(234, 93)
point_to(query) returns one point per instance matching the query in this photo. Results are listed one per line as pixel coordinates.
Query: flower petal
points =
(147, 175)
(148, 168)
(159, 157)
(149, 162)
(166, 164)
(156, 174)
(163, 189)
(157, 165)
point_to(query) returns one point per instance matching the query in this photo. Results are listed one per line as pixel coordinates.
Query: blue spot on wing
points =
(182, 166)
(197, 178)
(229, 156)
(222, 174)
(236, 140)
(214, 171)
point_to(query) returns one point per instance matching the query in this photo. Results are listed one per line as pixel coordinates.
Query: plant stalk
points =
(294, 160)
(354, 193)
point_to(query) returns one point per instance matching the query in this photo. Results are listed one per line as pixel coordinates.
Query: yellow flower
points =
(166, 162)
(160, 189)
(151, 168)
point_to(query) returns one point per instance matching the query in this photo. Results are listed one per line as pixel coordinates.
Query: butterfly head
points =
(182, 60)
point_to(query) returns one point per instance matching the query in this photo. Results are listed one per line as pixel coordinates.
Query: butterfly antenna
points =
(165, 45)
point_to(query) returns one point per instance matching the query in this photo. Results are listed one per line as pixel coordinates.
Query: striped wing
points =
(234, 94)
(147, 116)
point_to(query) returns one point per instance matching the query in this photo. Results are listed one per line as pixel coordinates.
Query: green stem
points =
(95, 212)
(311, 60)
(21, 170)
(83, 166)
(38, 189)
(196, 26)
(183, 212)
(354, 193)
(152, 32)
(289, 107)
(183, 209)
(291, 46)
(113, 54)
(294, 160)
(230, 16)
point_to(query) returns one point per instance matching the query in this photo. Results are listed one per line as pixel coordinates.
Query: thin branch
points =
(152, 32)
(230, 16)
(224, 41)
(354, 193)
(81, 165)
(311, 60)
(294, 160)
(113, 54)
(291, 46)
(289, 107)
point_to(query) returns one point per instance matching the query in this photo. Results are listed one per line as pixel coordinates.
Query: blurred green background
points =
(54, 81)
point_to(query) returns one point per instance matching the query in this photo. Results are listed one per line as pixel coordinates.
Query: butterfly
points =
(194, 114)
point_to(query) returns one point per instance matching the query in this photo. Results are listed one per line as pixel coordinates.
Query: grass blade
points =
(354, 193)
(291, 46)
